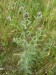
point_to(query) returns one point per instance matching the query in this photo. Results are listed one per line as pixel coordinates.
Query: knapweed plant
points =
(27, 37)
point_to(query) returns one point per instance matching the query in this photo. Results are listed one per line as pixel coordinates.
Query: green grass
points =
(28, 37)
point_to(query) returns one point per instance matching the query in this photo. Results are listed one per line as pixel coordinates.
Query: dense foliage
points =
(27, 37)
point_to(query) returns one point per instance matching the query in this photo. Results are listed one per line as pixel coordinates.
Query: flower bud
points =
(39, 15)
(8, 18)
(26, 15)
(21, 8)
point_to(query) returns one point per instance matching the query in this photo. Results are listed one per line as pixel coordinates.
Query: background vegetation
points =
(27, 37)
